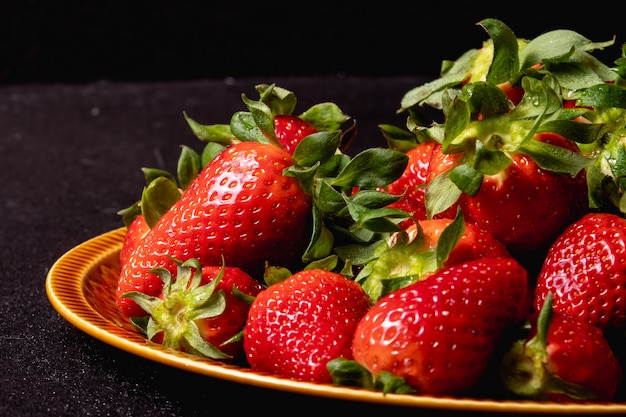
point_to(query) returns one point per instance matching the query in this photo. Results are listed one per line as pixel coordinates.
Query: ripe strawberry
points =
(585, 270)
(564, 359)
(136, 230)
(290, 130)
(240, 207)
(436, 244)
(413, 182)
(198, 311)
(474, 243)
(523, 205)
(439, 333)
(296, 326)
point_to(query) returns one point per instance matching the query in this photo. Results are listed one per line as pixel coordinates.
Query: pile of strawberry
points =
(483, 254)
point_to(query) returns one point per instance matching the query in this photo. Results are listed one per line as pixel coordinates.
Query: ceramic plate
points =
(81, 287)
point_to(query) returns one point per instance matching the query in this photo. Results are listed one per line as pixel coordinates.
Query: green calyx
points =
(348, 204)
(401, 261)
(347, 372)
(183, 302)
(483, 125)
(524, 367)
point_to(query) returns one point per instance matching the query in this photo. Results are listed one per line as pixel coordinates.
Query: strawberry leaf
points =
(157, 198)
(219, 133)
(189, 165)
(505, 62)
(279, 100)
(374, 167)
(316, 148)
(325, 116)
(556, 158)
(603, 95)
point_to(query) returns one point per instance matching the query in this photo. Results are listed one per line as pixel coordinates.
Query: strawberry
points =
(240, 207)
(429, 245)
(438, 334)
(585, 270)
(271, 119)
(509, 120)
(296, 326)
(136, 231)
(199, 311)
(564, 359)
(503, 203)
(290, 130)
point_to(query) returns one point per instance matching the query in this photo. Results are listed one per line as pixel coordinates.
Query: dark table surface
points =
(71, 156)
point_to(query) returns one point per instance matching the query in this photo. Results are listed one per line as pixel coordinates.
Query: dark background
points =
(81, 41)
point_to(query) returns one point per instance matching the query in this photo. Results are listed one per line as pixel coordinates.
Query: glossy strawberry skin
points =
(585, 269)
(240, 207)
(296, 326)
(136, 231)
(413, 182)
(439, 333)
(290, 130)
(524, 207)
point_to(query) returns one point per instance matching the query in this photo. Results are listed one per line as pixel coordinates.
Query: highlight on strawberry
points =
(484, 245)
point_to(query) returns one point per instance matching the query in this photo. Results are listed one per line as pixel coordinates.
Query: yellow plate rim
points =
(69, 276)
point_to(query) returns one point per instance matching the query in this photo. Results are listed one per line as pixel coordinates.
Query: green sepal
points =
(275, 274)
(278, 100)
(188, 167)
(523, 367)
(183, 301)
(130, 213)
(556, 158)
(578, 132)
(150, 174)
(398, 139)
(441, 194)
(263, 119)
(217, 133)
(603, 95)
(210, 151)
(244, 127)
(467, 179)
(348, 372)
(402, 262)
(371, 168)
(505, 63)
(377, 220)
(325, 117)
(316, 148)
(157, 198)
(453, 74)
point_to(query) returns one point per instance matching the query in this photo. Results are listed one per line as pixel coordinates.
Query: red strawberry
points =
(240, 207)
(290, 130)
(439, 333)
(437, 244)
(585, 270)
(296, 326)
(564, 359)
(413, 182)
(199, 313)
(524, 206)
(136, 230)
(474, 243)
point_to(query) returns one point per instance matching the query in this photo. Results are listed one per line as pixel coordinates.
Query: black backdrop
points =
(77, 41)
